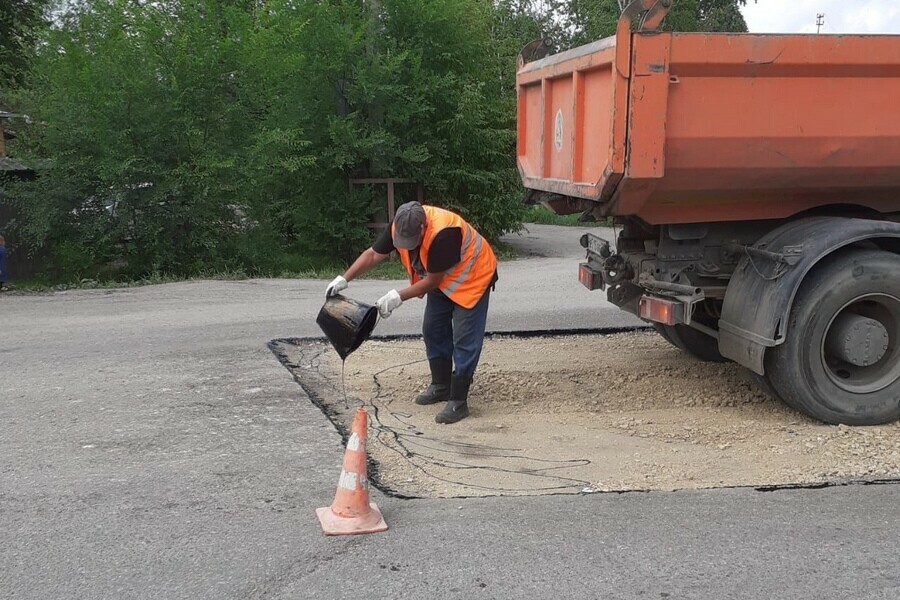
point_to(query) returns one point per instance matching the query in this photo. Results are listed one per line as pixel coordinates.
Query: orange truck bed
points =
(689, 128)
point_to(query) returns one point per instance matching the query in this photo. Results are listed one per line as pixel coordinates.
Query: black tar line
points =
(532, 333)
(373, 467)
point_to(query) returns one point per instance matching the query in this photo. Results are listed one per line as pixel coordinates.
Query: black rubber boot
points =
(457, 408)
(439, 390)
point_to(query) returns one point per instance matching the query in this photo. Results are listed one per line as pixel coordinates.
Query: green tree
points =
(405, 88)
(21, 22)
(722, 15)
(134, 105)
(222, 134)
(594, 19)
(459, 135)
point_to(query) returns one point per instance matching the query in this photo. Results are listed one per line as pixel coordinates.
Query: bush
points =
(193, 137)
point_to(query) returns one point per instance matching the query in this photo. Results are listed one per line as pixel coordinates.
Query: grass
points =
(504, 251)
(37, 285)
(391, 269)
(388, 270)
(543, 216)
(290, 266)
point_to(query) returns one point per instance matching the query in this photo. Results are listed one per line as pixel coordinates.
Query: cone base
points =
(335, 525)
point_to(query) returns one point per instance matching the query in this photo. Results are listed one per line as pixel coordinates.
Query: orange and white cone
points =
(351, 512)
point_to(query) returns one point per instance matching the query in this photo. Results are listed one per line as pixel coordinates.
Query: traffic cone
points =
(351, 512)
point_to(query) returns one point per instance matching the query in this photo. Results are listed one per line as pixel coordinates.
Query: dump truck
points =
(754, 184)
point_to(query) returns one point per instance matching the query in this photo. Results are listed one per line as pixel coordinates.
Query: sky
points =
(841, 16)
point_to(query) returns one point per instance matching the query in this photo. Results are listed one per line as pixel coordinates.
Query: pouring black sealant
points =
(347, 323)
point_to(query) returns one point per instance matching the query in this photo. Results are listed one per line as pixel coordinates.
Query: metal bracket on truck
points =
(758, 302)
(668, 303)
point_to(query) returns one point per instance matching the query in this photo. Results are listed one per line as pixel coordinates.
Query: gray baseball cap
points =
(408, 222)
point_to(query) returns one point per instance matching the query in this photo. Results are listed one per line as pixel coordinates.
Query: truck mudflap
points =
(757, 306)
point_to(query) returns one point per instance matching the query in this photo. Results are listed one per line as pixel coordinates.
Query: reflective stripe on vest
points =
(467, 242)
(467, 281)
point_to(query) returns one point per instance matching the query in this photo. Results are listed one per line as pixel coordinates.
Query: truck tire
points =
(841, 360)
(687, 339)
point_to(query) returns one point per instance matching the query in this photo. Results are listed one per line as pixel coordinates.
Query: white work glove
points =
(388, 303)
(335, 287)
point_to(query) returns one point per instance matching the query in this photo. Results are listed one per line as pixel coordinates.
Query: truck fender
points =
(758, 301)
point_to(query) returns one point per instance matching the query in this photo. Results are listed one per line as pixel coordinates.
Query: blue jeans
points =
(452, 331)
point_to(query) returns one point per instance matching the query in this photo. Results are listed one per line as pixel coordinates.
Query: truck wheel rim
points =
(861, 347)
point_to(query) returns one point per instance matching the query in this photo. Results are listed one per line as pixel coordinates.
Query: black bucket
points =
(347, 323)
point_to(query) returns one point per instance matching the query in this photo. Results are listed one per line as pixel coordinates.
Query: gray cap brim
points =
(405, 243)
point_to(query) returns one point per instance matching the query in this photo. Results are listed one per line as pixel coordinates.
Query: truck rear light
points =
(659, 310)
(590, 278)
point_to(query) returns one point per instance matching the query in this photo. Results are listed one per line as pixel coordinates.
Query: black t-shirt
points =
(444, 254)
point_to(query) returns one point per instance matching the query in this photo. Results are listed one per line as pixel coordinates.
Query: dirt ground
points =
(585, 414)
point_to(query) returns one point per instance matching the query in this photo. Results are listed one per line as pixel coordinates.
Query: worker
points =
(454, 267)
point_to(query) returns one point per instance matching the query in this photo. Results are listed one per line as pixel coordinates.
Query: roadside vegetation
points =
(220, 136)
(543, 216)
(391, 270)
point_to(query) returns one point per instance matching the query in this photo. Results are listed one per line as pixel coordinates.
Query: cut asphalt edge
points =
(374, 469)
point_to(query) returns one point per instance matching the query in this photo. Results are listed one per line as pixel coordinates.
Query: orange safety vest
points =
(465, 283)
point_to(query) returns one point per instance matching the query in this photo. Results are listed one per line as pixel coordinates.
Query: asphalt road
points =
(152, 447)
